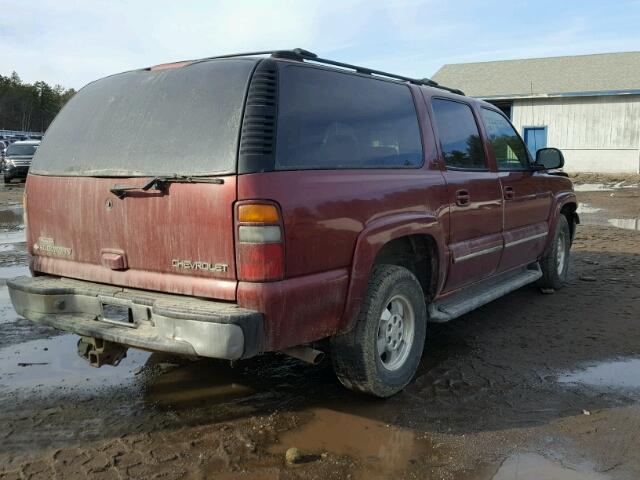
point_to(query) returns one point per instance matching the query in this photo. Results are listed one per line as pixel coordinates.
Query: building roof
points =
(599, 74)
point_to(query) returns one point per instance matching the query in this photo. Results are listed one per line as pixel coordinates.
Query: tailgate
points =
(178, 241)
(177, 121)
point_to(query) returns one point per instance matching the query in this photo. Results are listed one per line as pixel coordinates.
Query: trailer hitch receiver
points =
(100, 352)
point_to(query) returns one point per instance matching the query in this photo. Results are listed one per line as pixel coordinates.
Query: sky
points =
(72, 42)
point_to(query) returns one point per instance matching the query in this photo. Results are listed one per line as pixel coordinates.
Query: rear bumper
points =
(161, 322)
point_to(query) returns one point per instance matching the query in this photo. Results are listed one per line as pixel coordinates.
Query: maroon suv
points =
(231, 206)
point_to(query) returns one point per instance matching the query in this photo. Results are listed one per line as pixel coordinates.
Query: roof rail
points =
(301, 55)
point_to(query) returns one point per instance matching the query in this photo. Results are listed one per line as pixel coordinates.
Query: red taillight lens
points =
(259, 242)
(260, 262)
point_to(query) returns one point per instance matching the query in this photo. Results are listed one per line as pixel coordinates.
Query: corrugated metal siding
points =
(595, 133)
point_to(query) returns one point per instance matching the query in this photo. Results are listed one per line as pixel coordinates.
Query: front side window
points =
(458, 134)
(330, 120)
(509, 150)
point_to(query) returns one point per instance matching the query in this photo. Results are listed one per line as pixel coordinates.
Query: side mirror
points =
(549, 158)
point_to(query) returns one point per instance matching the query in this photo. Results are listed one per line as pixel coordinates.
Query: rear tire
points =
(380, 355)
(7, 179)
(555, 262)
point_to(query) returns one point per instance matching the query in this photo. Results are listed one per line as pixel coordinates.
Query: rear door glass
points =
(332, 120)
(458, 134)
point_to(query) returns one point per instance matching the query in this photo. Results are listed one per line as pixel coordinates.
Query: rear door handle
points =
(509, 193)
(463, 199)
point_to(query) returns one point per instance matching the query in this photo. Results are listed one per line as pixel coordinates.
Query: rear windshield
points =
(178, 121)
(21, 149)
(328, 119)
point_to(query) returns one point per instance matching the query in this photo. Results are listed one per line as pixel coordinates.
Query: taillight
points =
(260, 242)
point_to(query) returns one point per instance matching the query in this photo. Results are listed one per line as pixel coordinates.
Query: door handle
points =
(463, 199)
(509, 193)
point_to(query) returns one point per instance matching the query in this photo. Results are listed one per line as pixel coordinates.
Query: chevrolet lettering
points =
(190, 265)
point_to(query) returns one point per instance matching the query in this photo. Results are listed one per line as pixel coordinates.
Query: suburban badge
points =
(46, 245)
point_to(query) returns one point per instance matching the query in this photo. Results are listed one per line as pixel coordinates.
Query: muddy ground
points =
(530, 386)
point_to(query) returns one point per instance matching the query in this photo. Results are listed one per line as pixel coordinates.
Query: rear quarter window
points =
(333, 120)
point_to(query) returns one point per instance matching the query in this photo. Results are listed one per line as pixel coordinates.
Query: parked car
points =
(233, 206)
(18, 158)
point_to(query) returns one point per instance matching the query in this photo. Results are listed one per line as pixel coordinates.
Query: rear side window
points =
(458, 134)
(510, 152)
(330, 120)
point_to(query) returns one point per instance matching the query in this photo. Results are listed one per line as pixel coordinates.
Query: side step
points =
(473, 297)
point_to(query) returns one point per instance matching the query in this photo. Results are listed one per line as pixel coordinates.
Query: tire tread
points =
(354, 358)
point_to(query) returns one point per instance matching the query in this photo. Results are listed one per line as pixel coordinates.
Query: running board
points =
(487, 291)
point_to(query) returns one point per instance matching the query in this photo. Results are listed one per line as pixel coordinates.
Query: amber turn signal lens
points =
(258, 213)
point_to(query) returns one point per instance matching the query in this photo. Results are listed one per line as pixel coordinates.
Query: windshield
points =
(17, 150)
(177, 121)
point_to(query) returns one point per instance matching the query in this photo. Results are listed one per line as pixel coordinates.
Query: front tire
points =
(555, 262)
(380, 355)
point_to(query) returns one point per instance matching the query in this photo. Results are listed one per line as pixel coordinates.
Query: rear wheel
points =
(380, 355)
(7, 179)
(555, 262)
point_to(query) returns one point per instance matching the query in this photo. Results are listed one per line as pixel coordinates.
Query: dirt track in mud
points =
(529, 383)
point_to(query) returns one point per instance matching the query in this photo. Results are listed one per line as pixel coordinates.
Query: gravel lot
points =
(529, 383)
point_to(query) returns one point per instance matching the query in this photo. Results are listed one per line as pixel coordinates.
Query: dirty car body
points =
(228, 207)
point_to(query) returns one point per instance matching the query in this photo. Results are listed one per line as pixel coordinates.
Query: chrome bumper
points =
(159, 322)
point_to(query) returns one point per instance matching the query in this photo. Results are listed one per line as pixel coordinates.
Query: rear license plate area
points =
(117, 314)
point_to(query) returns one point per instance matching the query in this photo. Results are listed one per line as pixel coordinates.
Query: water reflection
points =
(622, 374)
(590, 215)
(51, 363)
(530, 466)
(378, 446)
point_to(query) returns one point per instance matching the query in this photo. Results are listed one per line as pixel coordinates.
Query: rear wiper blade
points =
(160, 182)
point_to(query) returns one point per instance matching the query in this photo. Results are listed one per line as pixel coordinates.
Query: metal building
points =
(586, 105)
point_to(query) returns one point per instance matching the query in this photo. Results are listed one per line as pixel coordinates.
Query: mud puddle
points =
(620, 374)
(590, 215)
(52, 363)
(12, 271)
(530, 466)
(378, 447)
(11, 215)
(193, 384)
(7, 313)
(12, 237)
(602, 187)
(596, 219)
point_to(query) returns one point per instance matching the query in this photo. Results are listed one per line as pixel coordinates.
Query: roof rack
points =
(301, 55)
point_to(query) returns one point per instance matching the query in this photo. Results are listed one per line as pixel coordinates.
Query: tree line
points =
(29, 107)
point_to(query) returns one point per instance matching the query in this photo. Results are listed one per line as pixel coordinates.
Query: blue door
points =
(535, 138)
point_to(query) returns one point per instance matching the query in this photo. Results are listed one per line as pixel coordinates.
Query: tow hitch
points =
(100, 352)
